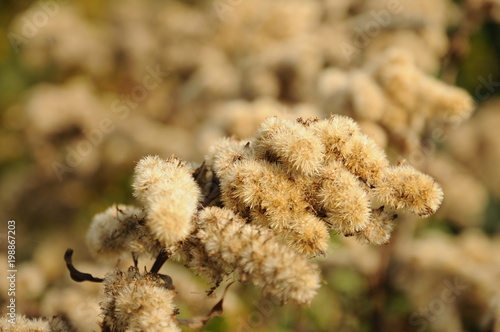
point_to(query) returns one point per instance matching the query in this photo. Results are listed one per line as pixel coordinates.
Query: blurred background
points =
(89, 87)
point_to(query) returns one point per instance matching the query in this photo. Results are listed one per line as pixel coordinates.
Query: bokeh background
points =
(89, 87)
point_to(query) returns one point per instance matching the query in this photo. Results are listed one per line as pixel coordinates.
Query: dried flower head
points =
(379, 228)
(341, 198)
(138, 302)
(405, 188)
(255, 256)
(258, 185)
(268, 205)
(367, 97)
(290, 143)
(262, 183)
(397, 74)
(334, 133)
(224, 153)
(170, 196)
(22, 324)
(444, 101)
(118, 231)
(393, 92)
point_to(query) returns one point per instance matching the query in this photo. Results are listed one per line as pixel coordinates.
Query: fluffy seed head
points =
(305, 233)
(289, 142)
(118, 231)
(150, 173)
(258, 184)
(342, 199)
(334, 133)
(364, 158)
(170, 196)
(283, 274)
(263, 189)
(367, 97)
(138, 302)
(225, 153)
(445, 101)
(403, 187)
(398, 76)
(379, 228)
(24, 324)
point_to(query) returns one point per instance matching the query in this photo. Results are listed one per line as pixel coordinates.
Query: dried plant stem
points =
(160, 260)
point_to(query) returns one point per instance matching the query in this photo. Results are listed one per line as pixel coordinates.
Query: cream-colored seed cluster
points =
(303, 178)
(137, 302)
(250, 210)
(170, 197)
(393, 94)
(120, 230)
(275, 51)
(224, 242)
(25, 324)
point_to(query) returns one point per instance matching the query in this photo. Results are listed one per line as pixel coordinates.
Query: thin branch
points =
(74, 273)
(160, 260)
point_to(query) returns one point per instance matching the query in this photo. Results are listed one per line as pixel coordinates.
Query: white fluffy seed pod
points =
(306, 234)
(136, 302)
(170, 196)
(120, 231)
